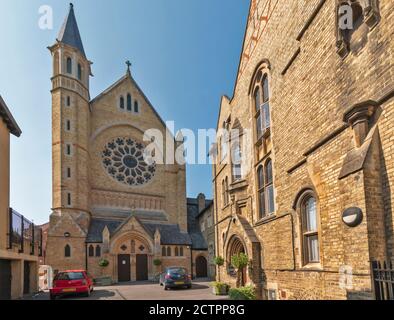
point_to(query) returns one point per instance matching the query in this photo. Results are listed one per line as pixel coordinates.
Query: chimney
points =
(201, 202)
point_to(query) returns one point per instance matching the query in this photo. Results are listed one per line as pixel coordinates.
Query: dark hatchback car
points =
(175, 277)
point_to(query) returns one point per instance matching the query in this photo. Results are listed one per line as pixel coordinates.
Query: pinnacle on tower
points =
(69, 33)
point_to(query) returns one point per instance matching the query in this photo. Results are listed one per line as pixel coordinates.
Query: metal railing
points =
(24, 234)
(383, 280)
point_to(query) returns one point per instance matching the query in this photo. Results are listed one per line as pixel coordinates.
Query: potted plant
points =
(220, 288)
(240, 262)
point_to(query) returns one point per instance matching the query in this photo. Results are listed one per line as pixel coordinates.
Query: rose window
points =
(123, 159)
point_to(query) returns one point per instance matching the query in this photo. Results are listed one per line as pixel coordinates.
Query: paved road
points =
(201, 290)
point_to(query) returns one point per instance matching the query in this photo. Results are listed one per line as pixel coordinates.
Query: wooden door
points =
(142, 267)
(201, 267)
(123, 267)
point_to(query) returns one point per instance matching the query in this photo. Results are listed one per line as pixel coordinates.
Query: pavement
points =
(201, 290)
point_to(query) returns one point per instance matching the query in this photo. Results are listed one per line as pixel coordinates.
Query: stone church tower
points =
(109, 202)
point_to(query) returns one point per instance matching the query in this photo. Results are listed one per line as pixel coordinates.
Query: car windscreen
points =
(180, 271)
(69, 276)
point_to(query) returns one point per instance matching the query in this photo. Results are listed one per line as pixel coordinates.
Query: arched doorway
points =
(201, 267)
(235, 247)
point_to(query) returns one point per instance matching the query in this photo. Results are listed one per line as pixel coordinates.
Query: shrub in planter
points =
(157, 262)
(220, 288)
(243, 293)
(103, 263)
(219, 261)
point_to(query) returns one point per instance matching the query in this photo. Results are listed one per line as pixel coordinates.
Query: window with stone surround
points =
(136, 107)
(98, 251)
(236, 162)
(262, 104)
(266, 190)
(91, 251)
(176, 252)
(69, 65)
(181, 251)
(79, 71)
(67, 251)
(309, 226)
(121, 103)
(168, 251)
(164, 251)
(129, 102)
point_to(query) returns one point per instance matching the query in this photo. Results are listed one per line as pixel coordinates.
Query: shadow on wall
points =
(359, 295)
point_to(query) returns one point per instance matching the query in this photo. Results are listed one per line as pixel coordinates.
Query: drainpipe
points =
(191, 262)
(86, 257)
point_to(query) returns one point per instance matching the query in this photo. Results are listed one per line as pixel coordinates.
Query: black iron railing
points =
(24, 234)
(383, 280)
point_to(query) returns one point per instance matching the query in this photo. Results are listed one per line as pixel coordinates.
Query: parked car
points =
(175, 277)
(71, 282)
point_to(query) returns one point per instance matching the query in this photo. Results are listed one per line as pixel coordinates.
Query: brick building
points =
(20, 239)
(109, 203)
(310, 201)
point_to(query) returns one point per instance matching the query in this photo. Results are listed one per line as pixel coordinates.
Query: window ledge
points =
(238, 184)
(312, 267)
(264, 135)
(266, 219)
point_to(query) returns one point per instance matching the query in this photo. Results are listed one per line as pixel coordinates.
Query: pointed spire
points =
(69, 33)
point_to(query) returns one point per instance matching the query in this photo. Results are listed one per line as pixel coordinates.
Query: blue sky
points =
(185, 56)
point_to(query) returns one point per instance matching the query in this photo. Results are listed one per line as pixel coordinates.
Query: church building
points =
(311, 202)
(114, 214)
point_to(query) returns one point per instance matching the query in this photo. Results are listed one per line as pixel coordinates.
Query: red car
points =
(71, 282)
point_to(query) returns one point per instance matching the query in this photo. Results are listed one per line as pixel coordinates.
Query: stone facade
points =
(109, 202)
(18, 258)
(326, 135)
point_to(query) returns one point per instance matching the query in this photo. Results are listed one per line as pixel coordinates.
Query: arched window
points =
(98, 251)
(91, 251)
(129, 102)
(262, 105)
(163, 251)
(67, 251)
(227, 191)
(69, 66)
(79, 71)
(266, 190)
(236, 162)
(176, 252)
(181, 251)
(121, 102)
(68, 101)
(261, 185)
(224, 193)
(168, 251)
(309, 222)
(136, 107)
(270, 187)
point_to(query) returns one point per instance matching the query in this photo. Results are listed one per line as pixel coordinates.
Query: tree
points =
(240, 262)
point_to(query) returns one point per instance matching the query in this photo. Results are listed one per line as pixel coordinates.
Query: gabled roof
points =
(69, 32)
(6, 115)
(118, 83)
